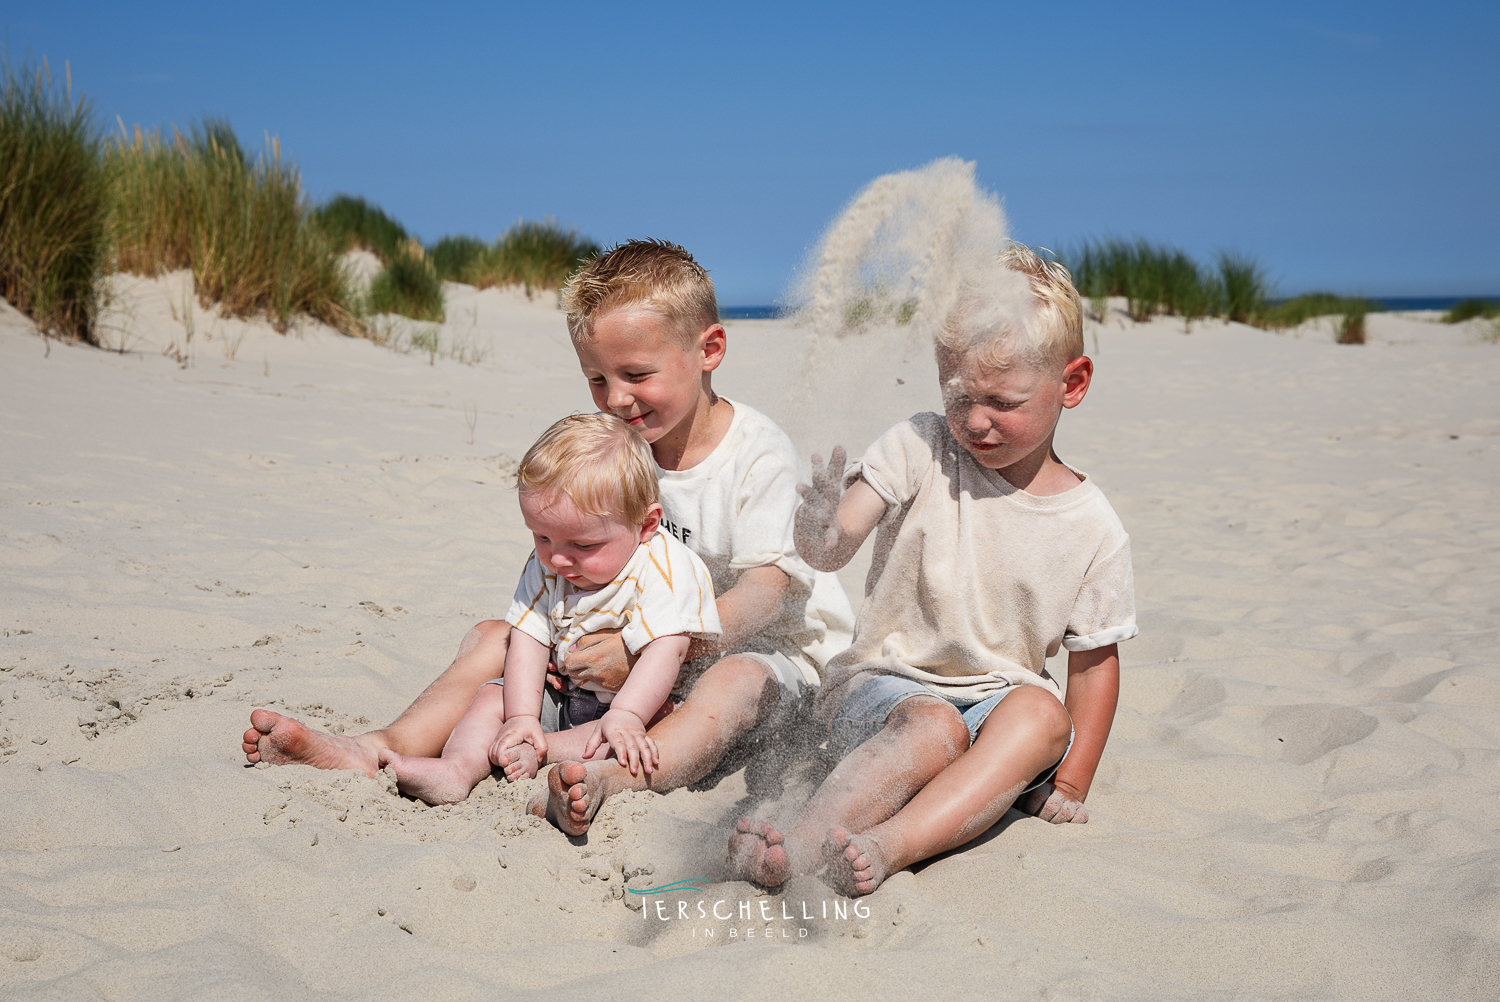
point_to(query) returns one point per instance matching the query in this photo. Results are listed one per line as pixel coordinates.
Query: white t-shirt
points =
(735, 509)
(974, 583)
(663, 591)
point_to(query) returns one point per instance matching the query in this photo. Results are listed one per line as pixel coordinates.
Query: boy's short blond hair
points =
(1025, 310)
(651, 273)
(599, 462)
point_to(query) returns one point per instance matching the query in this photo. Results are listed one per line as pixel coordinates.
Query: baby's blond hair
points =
(651, 273)
(1025, 310)
(598, 462)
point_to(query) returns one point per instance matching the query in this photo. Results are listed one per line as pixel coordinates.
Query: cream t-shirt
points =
(974, 583)
(735, 510)
(664, 590)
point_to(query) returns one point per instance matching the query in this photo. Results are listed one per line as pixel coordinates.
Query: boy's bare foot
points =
(434, 780)
(757, 853)
(519, 762)
(280, 740)
(856, 863)
(574, 794)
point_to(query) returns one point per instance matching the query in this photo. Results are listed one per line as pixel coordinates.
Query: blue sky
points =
(1354, 147)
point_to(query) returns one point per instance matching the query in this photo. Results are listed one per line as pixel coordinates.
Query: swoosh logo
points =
(690, 884)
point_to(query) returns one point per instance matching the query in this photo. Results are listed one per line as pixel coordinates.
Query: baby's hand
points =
(1051, 804)
(818, 516)
(626, 735)
(519, 730)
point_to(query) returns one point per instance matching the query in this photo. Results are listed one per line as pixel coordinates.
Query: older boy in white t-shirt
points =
(991, 554)
(644, 324)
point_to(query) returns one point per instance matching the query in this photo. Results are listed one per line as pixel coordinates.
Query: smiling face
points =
(589, 551)
(1005, 418)
(638, 372)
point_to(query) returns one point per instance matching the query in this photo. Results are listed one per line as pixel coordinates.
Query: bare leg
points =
(1025, 734)
(422, 729)
(731, 699)
(922, 736)
(466, 757)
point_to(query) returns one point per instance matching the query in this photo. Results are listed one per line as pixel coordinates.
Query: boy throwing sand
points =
(991, 553)
(588, 494)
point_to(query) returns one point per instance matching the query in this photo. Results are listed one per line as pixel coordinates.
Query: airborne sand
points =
(1299, 800)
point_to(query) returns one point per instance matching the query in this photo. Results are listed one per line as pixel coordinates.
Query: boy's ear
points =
(1077, 375)
(715, 342)
(651, 522)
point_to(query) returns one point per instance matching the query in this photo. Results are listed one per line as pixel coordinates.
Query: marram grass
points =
(350, 222)
(408, 285)
(1158, 279)
(53, 195)
(1468, 309)
(242, 226)
(530, 254)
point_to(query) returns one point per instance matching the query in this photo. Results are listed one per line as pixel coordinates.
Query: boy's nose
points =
(620, 398)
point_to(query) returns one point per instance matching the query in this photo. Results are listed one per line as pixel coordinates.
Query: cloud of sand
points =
(908, 250)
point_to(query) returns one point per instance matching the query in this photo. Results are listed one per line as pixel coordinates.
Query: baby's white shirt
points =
(664, 590)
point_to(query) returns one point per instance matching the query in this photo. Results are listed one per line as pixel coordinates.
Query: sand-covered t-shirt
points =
(664, 590)
(735, 510)
(975, 583)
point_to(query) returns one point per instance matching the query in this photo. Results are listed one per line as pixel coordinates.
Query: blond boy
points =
(588, 494)
(991, 554)
(644, 324)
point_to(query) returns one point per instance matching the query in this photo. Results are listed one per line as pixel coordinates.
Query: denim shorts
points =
(867, 708)
(793, 700)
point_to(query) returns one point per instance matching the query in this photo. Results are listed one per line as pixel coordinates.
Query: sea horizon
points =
(1391, 304)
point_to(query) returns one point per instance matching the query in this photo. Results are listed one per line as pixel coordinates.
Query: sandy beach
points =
(1300, 800)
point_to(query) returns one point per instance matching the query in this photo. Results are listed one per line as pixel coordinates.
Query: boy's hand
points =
(817, 526)
(626, 735)
(519, 730)
(1051, 804)
(600, 659)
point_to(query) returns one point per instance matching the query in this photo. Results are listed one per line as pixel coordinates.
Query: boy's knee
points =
(754, 680)
(1038, 709)
(491, 629)
(933, 718)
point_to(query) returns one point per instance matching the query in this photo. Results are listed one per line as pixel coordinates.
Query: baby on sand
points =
(588, 493)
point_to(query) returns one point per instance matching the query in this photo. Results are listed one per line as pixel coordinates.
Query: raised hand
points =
(817, 526)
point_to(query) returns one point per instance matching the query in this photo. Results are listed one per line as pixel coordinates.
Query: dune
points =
(1300, 800)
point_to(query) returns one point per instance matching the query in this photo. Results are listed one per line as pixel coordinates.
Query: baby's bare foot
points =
(574, 794)
(856, 863)
(434, 780)
(757, 853)
(519, 762)
(280, 740)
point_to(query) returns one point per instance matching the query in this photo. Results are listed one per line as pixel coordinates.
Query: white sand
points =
(1299, 800)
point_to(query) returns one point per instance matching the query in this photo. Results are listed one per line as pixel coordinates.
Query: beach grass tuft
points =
(454, 257)
(198, 201)
(535, 255)
(53, 195)
(408, 285)
(1300, 309)
(351, 222)
(1244, 285)
(1468, 309)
